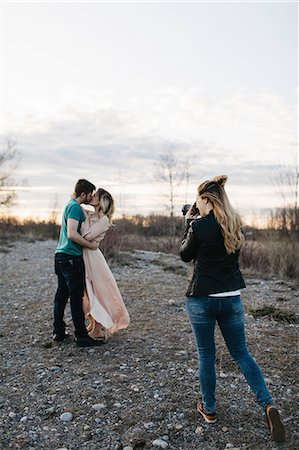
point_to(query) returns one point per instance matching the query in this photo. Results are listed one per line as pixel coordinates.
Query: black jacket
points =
(214, 270)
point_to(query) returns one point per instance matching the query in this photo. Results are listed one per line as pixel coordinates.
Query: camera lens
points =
(185, 209)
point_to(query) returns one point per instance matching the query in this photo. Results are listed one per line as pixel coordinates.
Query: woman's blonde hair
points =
(106, 203)
(229, 220)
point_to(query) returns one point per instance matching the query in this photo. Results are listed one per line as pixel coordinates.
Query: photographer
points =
(212, 239)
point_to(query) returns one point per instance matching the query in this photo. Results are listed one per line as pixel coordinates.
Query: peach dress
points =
(102, 303)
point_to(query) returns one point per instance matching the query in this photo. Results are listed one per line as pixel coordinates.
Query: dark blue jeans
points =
(71, 281)
(203, 313)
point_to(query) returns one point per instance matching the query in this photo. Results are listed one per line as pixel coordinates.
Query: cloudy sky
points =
(99, 90)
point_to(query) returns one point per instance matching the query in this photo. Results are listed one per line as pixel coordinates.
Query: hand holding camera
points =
(190, 211)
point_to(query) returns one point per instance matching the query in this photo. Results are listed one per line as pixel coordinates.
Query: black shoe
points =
(87, 341)
(275, 424)
(60, 337)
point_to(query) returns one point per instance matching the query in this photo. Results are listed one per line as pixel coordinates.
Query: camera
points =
(185, 209)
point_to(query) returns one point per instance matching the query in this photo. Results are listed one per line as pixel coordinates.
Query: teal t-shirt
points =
(72, 211)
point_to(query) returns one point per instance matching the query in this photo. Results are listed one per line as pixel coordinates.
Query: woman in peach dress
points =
(102, 303)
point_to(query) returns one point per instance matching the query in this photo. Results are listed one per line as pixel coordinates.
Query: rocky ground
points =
(139, 391)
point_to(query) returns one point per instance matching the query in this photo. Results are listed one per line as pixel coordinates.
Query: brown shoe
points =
(209, 417)
(275, 424)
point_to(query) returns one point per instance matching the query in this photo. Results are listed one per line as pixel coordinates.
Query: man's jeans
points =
(203, 312)
(71, 281)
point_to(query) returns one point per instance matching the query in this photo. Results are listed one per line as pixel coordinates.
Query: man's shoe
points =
(275, 424)
(209, 417)
(60, 337)
(87, 341)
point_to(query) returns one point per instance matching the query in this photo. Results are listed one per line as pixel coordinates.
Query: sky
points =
(100, 90)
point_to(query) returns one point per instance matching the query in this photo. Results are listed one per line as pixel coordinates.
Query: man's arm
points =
(73, 235)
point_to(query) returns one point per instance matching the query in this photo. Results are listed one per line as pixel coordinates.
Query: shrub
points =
(271, 257)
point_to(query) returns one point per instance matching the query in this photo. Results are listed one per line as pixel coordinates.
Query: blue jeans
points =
(203, 312)
(71, 281)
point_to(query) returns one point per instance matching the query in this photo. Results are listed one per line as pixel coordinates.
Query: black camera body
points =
(185, 209)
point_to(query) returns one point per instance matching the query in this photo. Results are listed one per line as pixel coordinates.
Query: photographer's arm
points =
(73, 235)
(189, 244)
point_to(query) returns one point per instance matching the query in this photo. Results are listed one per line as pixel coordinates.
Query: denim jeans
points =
(71, 281)
(203, 312)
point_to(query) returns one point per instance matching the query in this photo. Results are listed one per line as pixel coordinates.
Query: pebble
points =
(91, 351)
(24, 419)
(12, 415)
(117, 405)
(160, 443)
(223, 375)
(172, 302)
(62, 448)
(148, 425)
(66, 417)
(199, 430)
(51, 410)
(165, 437)
(98, 406)
(128, 447)
(178, 426)
(55, 368)
(135, 388)
(190, 370)
(224, 429)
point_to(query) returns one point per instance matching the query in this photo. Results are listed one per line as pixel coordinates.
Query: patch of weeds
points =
(274, 313)
(122, 260)
(4, 250)
(158, 262)
(180, 270)
(175, 269)
(282, 299)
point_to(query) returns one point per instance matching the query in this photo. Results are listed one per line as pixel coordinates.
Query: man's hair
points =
(83, 186)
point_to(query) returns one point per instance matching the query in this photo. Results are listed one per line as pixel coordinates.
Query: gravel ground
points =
(139, 391)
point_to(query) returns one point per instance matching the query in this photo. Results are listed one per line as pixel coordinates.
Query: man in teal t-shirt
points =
(69, 267)
(65, 245)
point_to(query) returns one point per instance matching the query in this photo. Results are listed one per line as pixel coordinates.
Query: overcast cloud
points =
(116, 84)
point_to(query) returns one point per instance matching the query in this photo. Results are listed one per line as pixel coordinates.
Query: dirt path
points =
(140, 389)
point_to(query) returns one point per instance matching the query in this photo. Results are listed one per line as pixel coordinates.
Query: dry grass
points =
(267, 254)
(272, 258)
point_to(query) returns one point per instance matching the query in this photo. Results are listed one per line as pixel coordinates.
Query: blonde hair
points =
(106, 203)
(228, 219)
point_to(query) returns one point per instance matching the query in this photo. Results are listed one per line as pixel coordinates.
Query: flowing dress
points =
(102, 303)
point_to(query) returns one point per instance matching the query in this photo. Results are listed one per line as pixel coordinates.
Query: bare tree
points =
(170, 172)
(9, 161)
(122, 184)
(187, 176)
(54, 211)
(286, 181)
